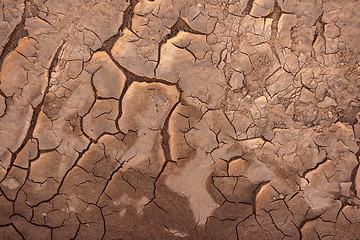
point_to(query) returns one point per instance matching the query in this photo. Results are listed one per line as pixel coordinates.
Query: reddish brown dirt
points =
(179, 119)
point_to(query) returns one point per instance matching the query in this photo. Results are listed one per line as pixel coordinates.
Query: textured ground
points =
(179, 119)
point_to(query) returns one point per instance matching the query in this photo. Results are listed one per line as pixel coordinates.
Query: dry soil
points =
(179, 119)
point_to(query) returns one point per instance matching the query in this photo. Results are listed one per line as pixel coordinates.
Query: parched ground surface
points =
(179, 119)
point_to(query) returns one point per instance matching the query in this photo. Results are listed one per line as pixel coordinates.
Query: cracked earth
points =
(173, 119)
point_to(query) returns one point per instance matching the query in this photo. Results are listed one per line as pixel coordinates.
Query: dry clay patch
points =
(179, 119)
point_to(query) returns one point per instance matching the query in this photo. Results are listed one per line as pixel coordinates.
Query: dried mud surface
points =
(179, 119)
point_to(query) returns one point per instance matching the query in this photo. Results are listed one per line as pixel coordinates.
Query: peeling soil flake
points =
(179, 119)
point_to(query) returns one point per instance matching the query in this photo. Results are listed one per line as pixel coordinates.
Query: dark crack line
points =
(180, 25)
(1, 92)
(18, 33)
(132, 77)
(354, 172)
(302, 224)
(276, 226)
(18, 231)
(248, 7)
(275, 16)
(254, 195)
(109, 180)
(32, 222)
(126, 24)
(78, 228)
(320, 28)
(166, 149)
(166, 136)
(315, 167)
(121, 98)
(103, 223)
(22, 185)
(128, 16)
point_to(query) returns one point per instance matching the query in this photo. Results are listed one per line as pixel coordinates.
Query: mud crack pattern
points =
(179, 119)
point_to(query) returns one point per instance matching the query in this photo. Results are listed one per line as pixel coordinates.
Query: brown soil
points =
(179, 119)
